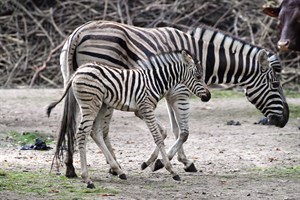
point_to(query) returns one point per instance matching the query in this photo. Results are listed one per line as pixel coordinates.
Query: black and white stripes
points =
(225, 59)
(137, 90)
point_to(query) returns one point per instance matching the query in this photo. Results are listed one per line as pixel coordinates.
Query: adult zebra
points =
(98, 86)
(225, 59)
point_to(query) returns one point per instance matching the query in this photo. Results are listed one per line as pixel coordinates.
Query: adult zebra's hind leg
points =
(106, 122)
(99, 133)
(68, 127)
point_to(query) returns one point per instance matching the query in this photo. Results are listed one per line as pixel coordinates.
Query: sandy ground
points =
(233, 162)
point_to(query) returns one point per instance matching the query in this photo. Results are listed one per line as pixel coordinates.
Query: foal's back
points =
(98, 83)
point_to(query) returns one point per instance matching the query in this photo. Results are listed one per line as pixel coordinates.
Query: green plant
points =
(28, 137)
(45, 184)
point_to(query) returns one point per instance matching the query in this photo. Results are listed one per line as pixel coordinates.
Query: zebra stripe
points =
(96, 84)
(225, 59)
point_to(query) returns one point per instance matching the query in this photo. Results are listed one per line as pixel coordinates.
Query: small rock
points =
(263, 121)
(233, 123)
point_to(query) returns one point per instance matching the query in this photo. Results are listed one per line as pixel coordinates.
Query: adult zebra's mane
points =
(192, 32)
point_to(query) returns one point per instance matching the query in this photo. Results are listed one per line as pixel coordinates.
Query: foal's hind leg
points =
(83, 131)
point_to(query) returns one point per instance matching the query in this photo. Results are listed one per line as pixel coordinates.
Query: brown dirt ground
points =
(233, 161)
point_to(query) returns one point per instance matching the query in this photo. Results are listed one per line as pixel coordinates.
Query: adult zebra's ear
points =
(275, 64)
(263, 60)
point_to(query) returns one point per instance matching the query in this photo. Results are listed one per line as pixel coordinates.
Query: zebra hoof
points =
(91, 186)
(70, 171)
(123, 177)
(112, 172)
(191, 168)
(144, 166)
(176, 178)
(71, 174)
(158, 165)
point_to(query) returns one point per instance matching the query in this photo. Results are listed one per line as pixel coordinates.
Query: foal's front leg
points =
(149, 118)
(179, 116)
(178, 108)
(155, 153)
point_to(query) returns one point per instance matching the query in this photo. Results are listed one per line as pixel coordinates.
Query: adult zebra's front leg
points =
(178, 106)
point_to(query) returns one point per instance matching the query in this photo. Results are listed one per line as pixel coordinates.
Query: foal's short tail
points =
(52, 105)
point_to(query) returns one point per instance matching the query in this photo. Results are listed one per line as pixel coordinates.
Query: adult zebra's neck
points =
(225, 59)
(166, 69)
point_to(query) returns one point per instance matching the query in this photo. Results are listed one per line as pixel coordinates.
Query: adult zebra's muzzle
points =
(280, 120)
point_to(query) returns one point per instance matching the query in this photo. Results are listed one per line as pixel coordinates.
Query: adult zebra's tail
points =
(66, 134)
(67, 127)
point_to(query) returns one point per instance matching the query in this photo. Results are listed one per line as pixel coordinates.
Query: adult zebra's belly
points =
(123, 105)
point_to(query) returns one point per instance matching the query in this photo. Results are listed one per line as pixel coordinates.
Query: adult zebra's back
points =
(225, 60)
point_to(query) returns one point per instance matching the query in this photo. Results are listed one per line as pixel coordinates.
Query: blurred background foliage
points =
(32, 31)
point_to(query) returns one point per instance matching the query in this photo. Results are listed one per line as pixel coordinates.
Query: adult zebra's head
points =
(265, 91)
(196, 81)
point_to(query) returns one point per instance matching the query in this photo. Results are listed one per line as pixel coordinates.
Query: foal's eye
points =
(198, 75)
(275, 84)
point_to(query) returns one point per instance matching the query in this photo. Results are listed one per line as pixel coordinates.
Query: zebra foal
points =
(98, 86)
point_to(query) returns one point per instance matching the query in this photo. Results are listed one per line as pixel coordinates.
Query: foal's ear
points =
(199, 65)
(263, 60)
(187, 57)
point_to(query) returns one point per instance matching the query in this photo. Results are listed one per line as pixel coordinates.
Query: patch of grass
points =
(294, 110)
(280, 171)
(44, 184)
(2, 173)
(292, 94)
(219, 93)
(29, 137)
(215, 93)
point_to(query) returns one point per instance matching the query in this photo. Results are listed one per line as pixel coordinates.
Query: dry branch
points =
(32, 31)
